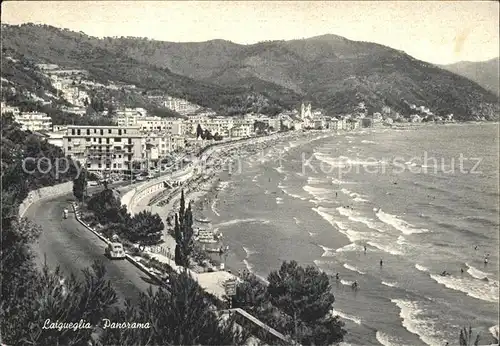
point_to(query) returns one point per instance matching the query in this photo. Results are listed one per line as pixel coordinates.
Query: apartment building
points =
(181, 106)
(221, 125)
(160, 144)
(171, 126)
(240, 131)
(34, 121)
(99, 148)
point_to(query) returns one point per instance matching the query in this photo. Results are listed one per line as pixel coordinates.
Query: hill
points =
(105, 62)
(332, 72)
(484, 73)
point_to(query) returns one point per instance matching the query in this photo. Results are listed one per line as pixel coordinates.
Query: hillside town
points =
(138, 136)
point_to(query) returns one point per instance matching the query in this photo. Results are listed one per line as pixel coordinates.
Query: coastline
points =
(202, 194)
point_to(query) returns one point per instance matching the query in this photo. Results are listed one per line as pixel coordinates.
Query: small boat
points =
(203, 220)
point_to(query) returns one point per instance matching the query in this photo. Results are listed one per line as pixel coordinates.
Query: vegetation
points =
(183, 314)
(466, 338)
(183, 233)
(297, 300)
(145, 228)
(80, 185)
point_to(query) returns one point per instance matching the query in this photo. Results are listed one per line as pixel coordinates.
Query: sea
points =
(423, 200)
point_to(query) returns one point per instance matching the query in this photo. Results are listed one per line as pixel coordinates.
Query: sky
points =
(440, 32)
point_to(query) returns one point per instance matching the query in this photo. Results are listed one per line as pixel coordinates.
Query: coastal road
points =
(72, 247)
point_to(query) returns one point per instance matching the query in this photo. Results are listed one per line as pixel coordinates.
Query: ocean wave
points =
(294, 195)
(249, 252)
(354, 216)
(354, 269)
(285, 178)
(477, 273)
(343, 161)
(237, 221)
(279, 169)
(250, 269)
(311, 234)
(350, 248)
(474, 288)
(297, 221)
(386, 248)
(345, 316)
(401, 225)
(317, 192)
(422, 268)
(346, 282)
(281, 186)
(336, 181)
(385, 339)
(494, 331)
(266, 192)
(389, 284)
(214, 210)
(411, 314)
(279, 200)
(368, 142)
(327, 252)
(314, 180)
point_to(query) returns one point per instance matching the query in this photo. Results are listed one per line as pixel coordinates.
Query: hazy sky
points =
(436, 31)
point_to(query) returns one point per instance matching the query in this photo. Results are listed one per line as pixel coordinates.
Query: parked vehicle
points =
(115, 251)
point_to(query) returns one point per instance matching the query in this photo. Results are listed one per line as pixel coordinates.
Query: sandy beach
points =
(203, 195)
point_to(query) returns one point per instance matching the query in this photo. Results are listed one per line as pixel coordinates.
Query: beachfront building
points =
(240, 131)
(100, 148)
(34, 121)
(150, 124)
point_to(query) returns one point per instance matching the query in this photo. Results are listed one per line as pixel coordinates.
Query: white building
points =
(34, 121)
(181, 106)
(100, 148)
(240, 131)
(151, 124)
(9, 109)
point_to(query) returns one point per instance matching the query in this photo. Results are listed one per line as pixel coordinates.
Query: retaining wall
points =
(43, 193)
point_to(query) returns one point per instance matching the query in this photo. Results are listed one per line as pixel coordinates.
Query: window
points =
(78, 132)
(69, 148)
(110, 131)
(107, 140)
(119, 132)
(73, 132)
(88, 139)
(114, 165)
(100, 140)
(88, 132)
(95, 130)
(124, 131)
(69, 139)
(99, 165)
(118, 139)
(88, 165)
(102, 132)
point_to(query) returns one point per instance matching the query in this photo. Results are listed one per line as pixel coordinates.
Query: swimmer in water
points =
(337, 277)
(381, 263)
(365, 249)
(475, 247)
(462, 270)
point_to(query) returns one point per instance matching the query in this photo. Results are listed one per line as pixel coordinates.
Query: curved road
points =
(68, 244)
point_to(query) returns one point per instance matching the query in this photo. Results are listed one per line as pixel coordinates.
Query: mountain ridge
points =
(331, 71)
(484, 73)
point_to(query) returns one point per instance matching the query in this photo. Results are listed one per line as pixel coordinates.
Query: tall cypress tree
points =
(183, 233)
